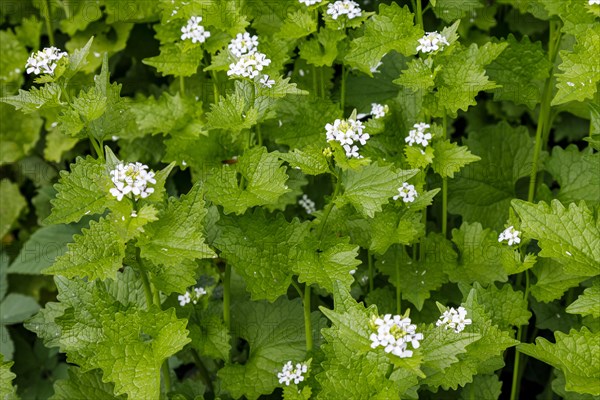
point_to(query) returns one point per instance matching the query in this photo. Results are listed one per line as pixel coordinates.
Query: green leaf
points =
(263, 182)
(577, 173)
(16, 308)
(574, 354)
(327, 261)
(18, 133)
(450, 10)
(482, 387)
(178, 233)
(174, 61)
(588, 303)
(35, 99)
(7, 390)
(580, 74)
(262, 250)
(12, 205)
(462, 78)
(417, 279)
(391, 29)
(83, 191)
(271, 330)
(351, 365)
(297, 24)
(481, 256)
(81, 385)
(310, 160)
(568, 235)
(552, 280)
(483, 356)
(506, 307)
(441, 347)
(418, 76)
(232, 113)
(78, 59)
(521, 70)
(482, 191)
(371, 186)
(558, 387)
(394, 225)
(321, 50)
(450, 158)
(97, 253)
(167, 114)
(209, 334)
(92, 316)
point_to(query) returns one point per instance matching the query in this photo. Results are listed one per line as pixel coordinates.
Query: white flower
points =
(378, 110)
(394, 333)
(454, 319)
(44, 61)
(242, 44)
(419, 135)
(432, 41)
(511, 235)
(310, 2)
(407, 192)
(266, 81)
(132, 178)
(290, 373)
(248, 65)
(347, 132)
(597, 2)
(307, 204)
(194, 31)
(184, 299)
(344, 7)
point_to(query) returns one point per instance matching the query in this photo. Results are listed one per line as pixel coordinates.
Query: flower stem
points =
(419, 13)
(215, 84)
(46, 11)
(343, 89)
(516, 380)
(543, 123)
(338, 186)
(307, 321)
(97, 148)
(204, 374)
(258, 135)
(181, 85)
(370, 264)
(322, 82)
(445, 185)
(398, 290)
(227, 296)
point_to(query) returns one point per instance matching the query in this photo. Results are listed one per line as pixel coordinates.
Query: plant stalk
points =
(370, 264)
(307, 321)
(227, 297)
(445, 186)
(343, 89)
(204, 374)
(419, 13)
(516, 380)
(47, 17)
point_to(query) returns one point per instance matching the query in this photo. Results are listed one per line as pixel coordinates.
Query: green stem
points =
(421, 242)
(445, 186)
(215, 83)
(227, 296)
(543, 123)
(307, 321)
(315, 81)
(204, 374)
(46, 11)
(181, 85)
(419, 13)
(322, 82)
(398, 290)
(338, 186)
(146, 284)
(343, 90)
(97, 148)
(298, 289)
(166, 374)
(259, 135)
(370, 264)
(516, 380)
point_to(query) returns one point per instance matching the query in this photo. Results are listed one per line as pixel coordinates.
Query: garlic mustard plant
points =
(132, 178)
(431, 42)
(349, 8)
(394, 334)
(194, 31)
(291, 373)
(510, 235)
(407, 192)
(44, 61)
(455, 319)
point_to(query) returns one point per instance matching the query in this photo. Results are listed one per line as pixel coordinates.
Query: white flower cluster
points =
(44, 61)
(249, 65)
(394, 333)
(194, 31)
(289, 373)
(242, 44)
(344, 7)
(454, 319)
(132, 178)
(432, 41)
(307, 204)
(187, 297)
(591, 2)
(347, 132)
(407, 192)
(419, 135)
(266, 81)
(510, 235)
(378, 110)
(310, 2)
